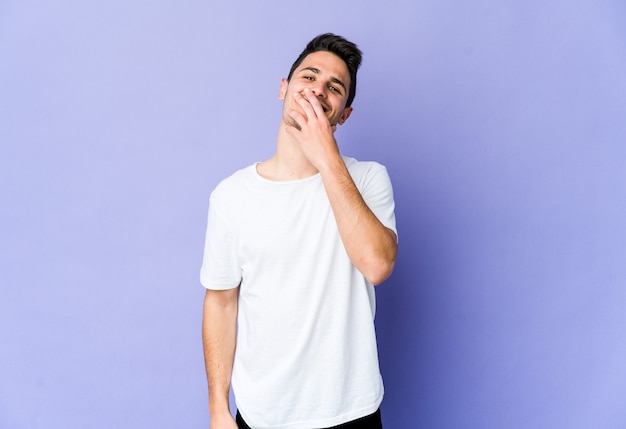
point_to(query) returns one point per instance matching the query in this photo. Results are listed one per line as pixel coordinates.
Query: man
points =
(293, 248)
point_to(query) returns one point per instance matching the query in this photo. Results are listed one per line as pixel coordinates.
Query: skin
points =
(218, 338)
(314, 104)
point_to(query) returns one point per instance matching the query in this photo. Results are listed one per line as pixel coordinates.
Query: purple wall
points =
(502, 126)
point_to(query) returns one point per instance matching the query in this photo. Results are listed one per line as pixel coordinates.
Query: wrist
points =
(219, 406)
(332, 166)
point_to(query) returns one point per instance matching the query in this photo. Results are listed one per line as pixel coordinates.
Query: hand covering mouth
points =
(325, 106)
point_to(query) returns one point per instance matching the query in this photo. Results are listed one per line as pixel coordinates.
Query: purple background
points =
(502, 126)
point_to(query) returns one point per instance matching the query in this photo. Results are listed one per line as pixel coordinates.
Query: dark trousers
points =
(372, 421)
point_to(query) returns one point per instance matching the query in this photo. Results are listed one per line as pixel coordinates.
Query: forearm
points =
(218, 338)
(371, 246)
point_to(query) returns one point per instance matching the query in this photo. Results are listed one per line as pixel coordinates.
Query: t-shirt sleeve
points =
(220, 268)
(377, 193)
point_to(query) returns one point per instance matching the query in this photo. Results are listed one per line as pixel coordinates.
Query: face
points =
(328, 77)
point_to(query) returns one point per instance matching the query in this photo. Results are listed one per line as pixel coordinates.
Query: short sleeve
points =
(220, 268)
(377, 192)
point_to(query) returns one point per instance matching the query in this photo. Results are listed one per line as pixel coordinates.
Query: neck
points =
(288, 162)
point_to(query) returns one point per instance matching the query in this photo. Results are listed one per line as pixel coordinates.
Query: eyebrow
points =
(332, 78)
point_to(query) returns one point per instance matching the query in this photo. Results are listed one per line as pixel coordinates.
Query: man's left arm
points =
(371, 246)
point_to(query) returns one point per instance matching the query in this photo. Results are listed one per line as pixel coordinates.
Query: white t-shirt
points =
(306, 351)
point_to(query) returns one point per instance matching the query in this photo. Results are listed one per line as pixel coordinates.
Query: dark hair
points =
(347, 51)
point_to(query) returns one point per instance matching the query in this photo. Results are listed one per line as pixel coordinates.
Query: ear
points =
(344, 115)
(284, 83)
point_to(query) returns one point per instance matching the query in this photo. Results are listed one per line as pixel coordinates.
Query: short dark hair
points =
(344, 49)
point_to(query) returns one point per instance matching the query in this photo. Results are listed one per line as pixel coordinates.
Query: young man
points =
(293, 248)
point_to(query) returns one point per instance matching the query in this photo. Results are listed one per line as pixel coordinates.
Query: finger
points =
(305, 104)
(297, 118)
(293, 130)
(315, 103)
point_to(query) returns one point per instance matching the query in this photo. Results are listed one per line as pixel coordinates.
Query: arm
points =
(371, 246)
(218, 339)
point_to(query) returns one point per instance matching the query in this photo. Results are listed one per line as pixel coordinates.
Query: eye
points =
(309, 78)
(336, 89)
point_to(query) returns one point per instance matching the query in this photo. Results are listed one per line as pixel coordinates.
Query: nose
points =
(319, 89)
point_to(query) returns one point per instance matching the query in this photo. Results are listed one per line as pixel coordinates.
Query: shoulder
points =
(235, 180)
(234, 185)
(362, 170)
